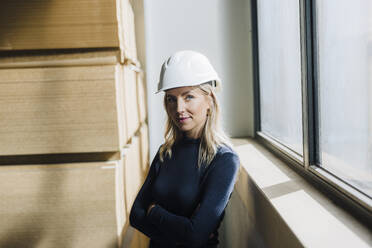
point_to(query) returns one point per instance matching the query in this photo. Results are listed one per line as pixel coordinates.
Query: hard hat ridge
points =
(186, 68)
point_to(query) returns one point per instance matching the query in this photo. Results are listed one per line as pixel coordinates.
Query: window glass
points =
(344, 33)
(280, 71)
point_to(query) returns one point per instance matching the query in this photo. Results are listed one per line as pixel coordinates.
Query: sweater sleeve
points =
(218, 187)
(138, 214)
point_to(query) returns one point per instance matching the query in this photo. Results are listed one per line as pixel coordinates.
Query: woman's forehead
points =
(181, 90)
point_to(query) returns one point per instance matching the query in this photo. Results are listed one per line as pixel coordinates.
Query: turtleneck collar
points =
(188, 140)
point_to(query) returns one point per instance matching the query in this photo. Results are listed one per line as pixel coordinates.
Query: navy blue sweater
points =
(190, 201)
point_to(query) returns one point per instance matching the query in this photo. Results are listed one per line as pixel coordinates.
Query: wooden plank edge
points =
(59, 58)
(59, 158)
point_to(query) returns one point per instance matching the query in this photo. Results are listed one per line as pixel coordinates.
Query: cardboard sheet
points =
(131, 105)
(141, 97)
(44, 59)
(58, 110)
(133, 177)
(145, 153)
(139, 240)
(40, 24)
(60, 205)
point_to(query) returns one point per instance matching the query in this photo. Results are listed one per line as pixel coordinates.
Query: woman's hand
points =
(150, 207)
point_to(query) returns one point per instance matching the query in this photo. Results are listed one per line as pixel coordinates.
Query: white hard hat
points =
(186, 68)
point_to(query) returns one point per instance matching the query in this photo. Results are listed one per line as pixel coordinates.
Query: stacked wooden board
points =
(67, 24)
(57, 205)
(73, 123)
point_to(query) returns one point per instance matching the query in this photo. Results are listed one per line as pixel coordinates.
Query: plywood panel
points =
(144, 136)
(139, 240)
(131, 105)
(65, 205)
(133, 174)
(57, 59)
(129, 29)
(41, 24)
(141, 97)
(44, 24)
(121, 212)
(58, 110)
(121, 105)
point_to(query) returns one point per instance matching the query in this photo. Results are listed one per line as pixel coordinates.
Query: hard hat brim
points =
(179, 85)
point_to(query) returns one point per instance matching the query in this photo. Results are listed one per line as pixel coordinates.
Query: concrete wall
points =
(220, 29)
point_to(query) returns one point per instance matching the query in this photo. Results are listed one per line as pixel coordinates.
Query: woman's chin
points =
(184, 129)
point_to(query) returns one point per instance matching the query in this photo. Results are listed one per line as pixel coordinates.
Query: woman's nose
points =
(180, 106)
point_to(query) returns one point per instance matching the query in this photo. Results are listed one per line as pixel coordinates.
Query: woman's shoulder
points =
(226, 163)
(226, 151)
(227, 155)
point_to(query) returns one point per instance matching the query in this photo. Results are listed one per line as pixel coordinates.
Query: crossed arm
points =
(160, 224)
(138, 214)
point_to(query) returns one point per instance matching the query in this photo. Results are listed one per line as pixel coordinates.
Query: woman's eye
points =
(170, 99)
(189, 97)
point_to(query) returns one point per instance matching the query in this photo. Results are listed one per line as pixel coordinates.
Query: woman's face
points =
(187, 107)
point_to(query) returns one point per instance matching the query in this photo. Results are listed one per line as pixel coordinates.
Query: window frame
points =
(357, 202)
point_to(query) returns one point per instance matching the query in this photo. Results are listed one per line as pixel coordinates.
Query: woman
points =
(192, 176)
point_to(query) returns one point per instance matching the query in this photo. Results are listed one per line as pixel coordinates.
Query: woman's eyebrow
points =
(184, 93)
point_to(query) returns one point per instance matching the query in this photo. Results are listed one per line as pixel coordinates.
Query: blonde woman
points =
(190, 181)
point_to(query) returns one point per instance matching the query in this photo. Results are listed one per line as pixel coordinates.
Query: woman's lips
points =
(183, 119)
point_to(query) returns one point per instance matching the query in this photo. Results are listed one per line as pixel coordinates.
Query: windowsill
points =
(312, 218)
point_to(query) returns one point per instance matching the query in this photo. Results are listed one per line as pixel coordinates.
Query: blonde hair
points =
(212, 136)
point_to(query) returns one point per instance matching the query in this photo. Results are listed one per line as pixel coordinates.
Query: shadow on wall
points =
(238, 229)
(236, 35)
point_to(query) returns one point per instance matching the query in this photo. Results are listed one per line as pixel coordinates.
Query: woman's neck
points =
(195, 133)
(192, 135)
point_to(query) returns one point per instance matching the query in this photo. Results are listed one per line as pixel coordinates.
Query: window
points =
(314, 88)
(345, 90)
(280, 71)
